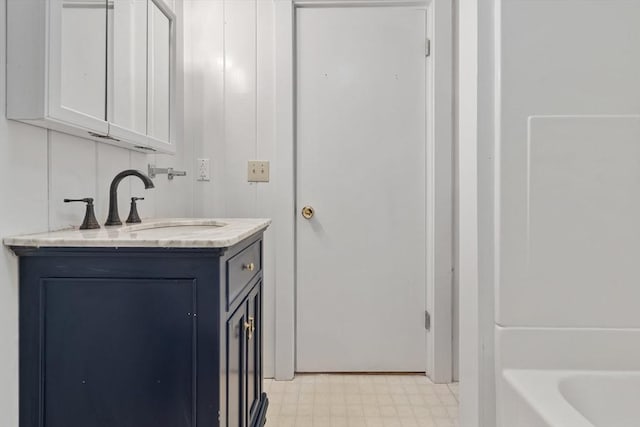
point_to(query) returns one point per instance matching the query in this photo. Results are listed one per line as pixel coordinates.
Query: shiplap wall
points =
(230, 118)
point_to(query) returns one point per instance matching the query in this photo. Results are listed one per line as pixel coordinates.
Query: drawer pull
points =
(249, 266)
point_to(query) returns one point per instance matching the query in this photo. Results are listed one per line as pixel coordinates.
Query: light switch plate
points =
(258, 171)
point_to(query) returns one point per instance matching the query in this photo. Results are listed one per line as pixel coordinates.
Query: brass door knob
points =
(249, 266)
(307, 212)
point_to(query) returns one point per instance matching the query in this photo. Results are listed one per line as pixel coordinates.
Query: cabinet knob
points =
(249, 267)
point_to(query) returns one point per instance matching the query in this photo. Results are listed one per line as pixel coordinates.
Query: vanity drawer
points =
(242, 268)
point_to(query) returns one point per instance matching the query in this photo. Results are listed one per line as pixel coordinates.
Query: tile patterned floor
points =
(361, 401)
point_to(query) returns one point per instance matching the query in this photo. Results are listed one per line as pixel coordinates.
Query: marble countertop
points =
(152, 233)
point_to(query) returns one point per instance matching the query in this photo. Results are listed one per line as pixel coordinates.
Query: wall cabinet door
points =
(57, 65)
(78, 65)
(160, 75)
(127, 76)
(141, 71)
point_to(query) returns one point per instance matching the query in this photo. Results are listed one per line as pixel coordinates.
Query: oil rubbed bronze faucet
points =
(114, 217)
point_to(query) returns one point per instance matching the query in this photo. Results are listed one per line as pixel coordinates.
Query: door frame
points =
(439, 197)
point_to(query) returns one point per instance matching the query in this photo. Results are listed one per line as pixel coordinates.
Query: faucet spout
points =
(114, 217)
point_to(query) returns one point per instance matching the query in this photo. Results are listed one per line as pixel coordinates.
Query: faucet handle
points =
(89, 222)
(134, 218)
(88, 200)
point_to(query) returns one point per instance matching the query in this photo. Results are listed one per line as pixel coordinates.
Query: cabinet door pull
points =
(250, 326)
(249, 267)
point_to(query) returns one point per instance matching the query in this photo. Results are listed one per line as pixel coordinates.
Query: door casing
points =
(439, 181)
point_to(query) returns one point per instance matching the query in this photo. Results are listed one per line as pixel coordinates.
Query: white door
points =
(361, 258)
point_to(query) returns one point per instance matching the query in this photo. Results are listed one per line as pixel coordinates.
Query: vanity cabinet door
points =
(244, 361)
(254, 352)
(236, 368)
(116, 352)
(78, 63)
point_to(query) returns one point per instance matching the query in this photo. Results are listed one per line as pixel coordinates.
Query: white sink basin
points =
(173, 226)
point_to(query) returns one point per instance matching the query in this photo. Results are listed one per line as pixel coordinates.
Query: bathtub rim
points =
(539, 389)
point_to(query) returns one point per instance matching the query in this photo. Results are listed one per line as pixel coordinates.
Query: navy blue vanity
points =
(141, 336)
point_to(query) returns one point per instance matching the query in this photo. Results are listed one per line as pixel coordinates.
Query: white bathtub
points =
(566, 398)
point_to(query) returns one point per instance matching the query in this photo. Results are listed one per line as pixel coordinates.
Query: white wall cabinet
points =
(99, 69)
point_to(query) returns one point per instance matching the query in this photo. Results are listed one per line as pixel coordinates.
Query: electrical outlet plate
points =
(258, 171)
(204, 170)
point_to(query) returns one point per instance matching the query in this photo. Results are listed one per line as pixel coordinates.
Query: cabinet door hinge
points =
(427, 47)
(427, 320)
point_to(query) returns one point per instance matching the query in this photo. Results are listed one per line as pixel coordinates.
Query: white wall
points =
(38, 168)
(229, 96)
